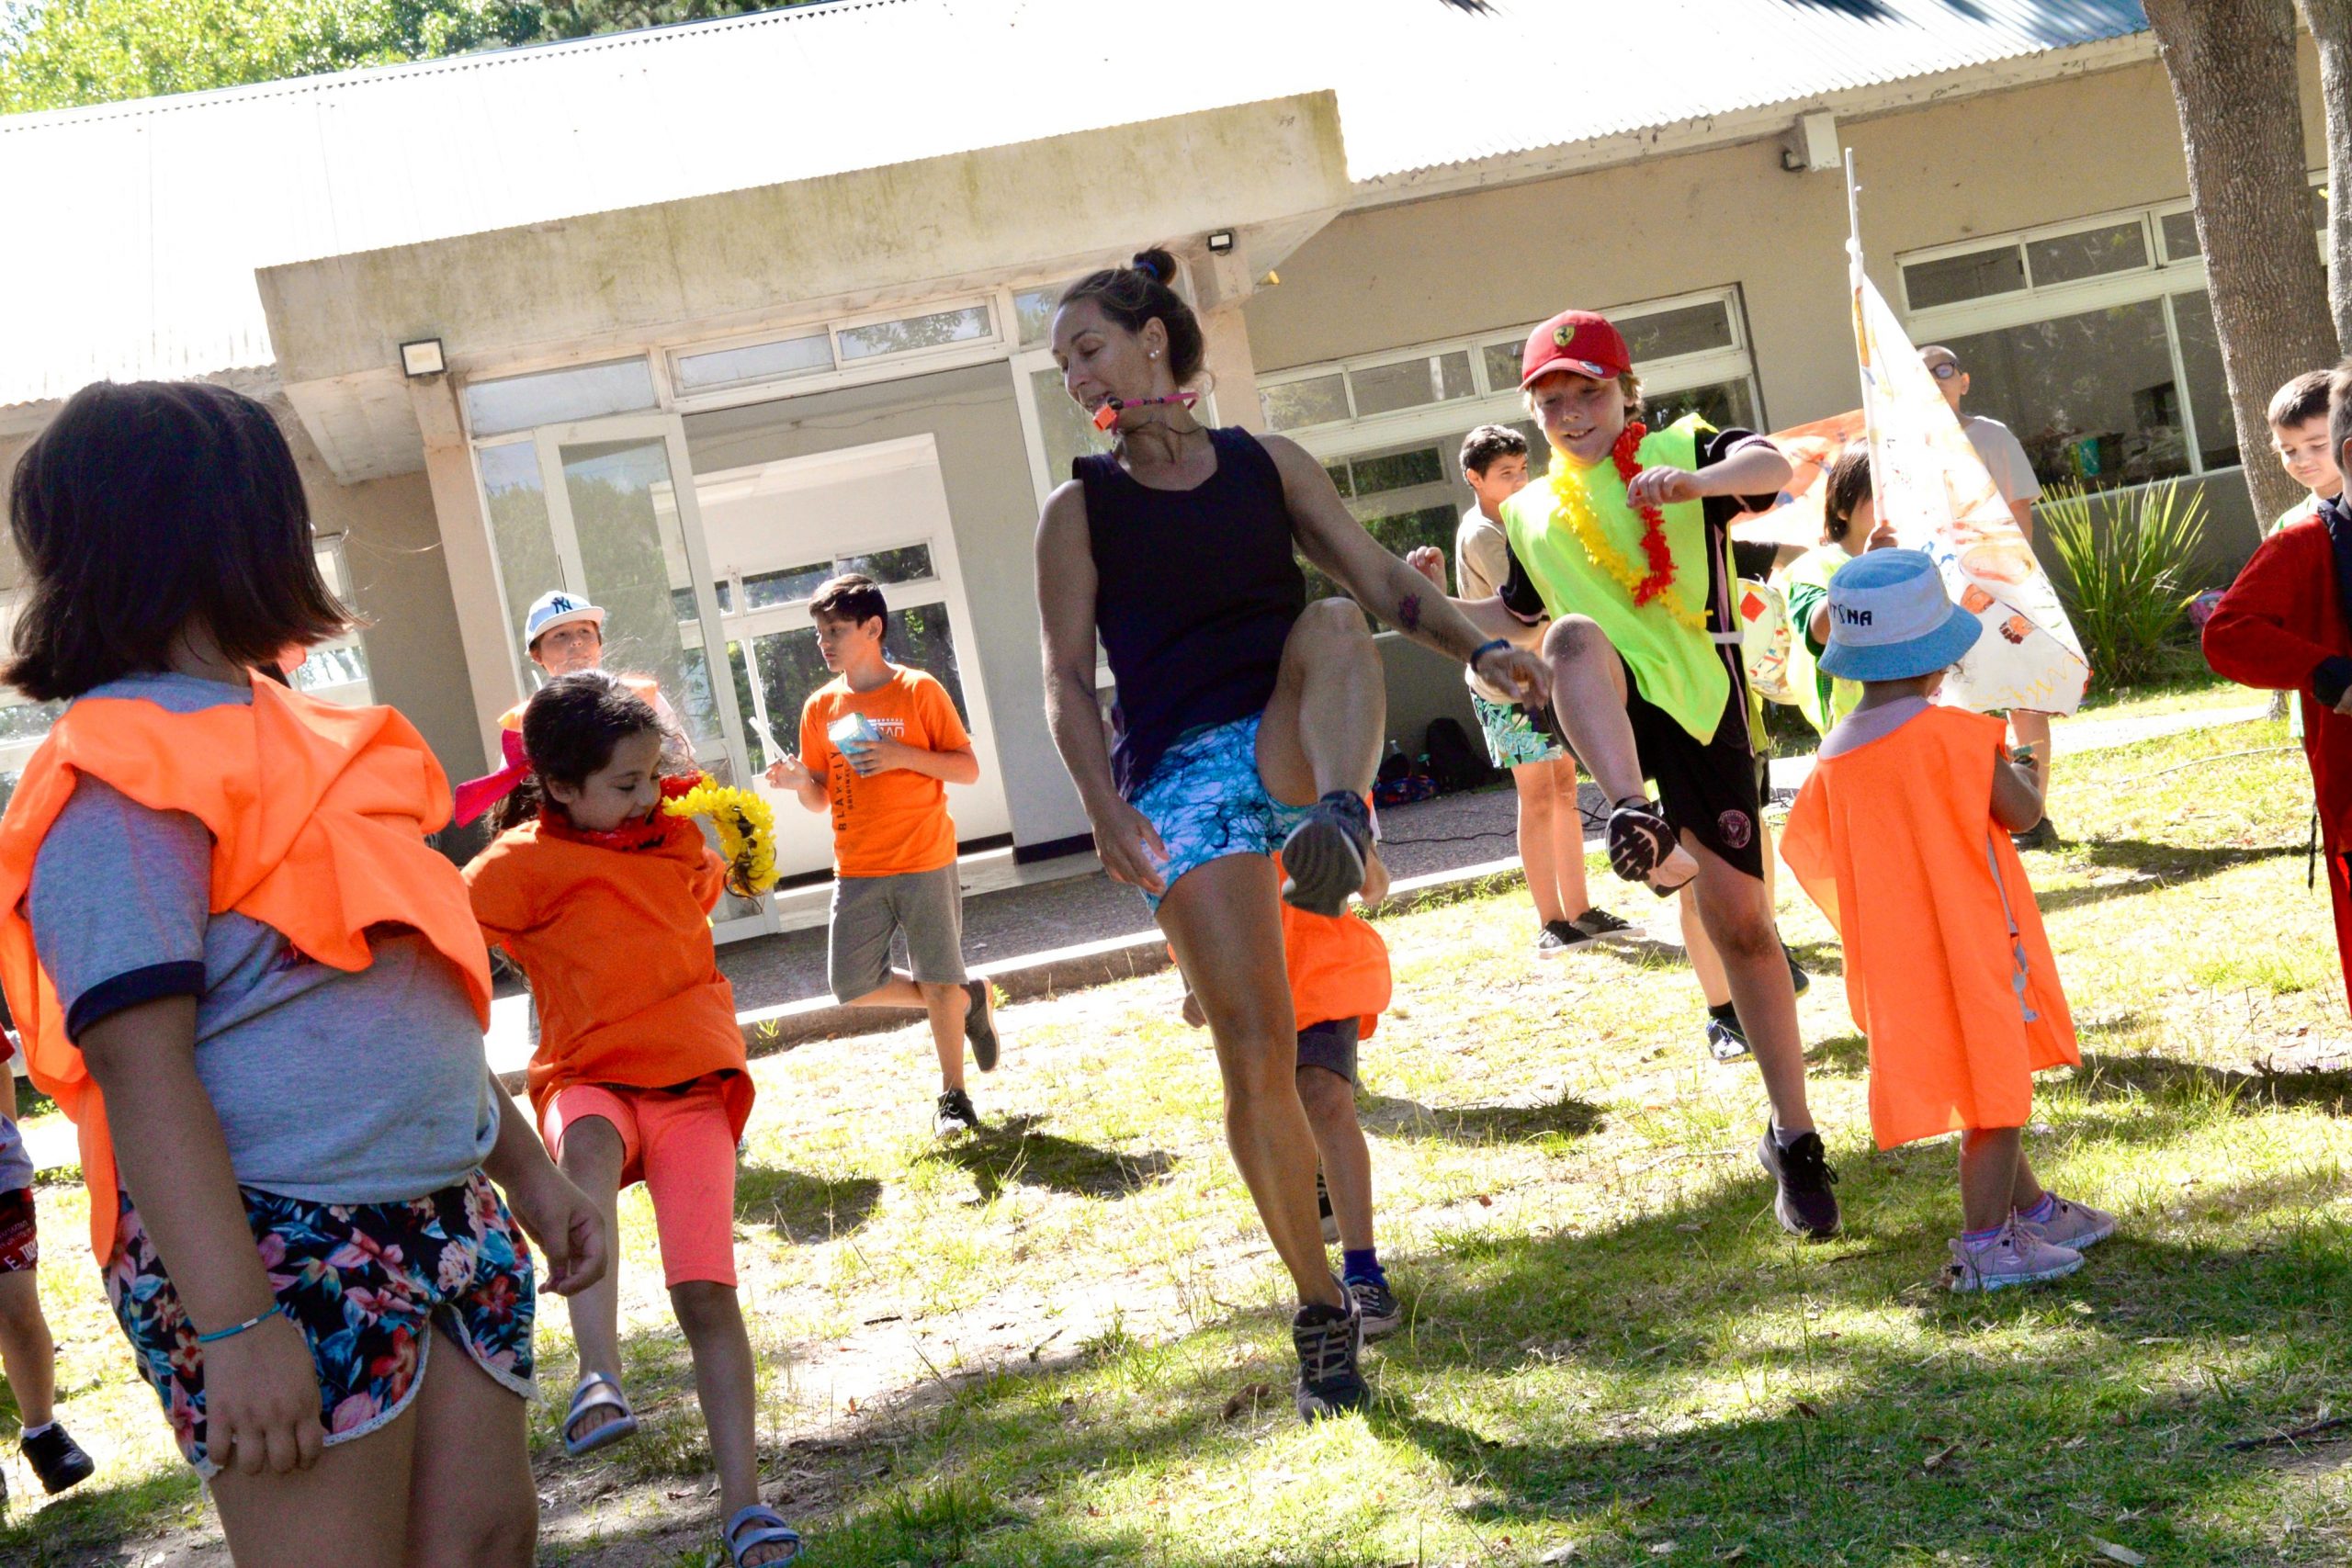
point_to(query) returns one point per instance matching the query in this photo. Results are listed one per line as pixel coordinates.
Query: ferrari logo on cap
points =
(1562, 335)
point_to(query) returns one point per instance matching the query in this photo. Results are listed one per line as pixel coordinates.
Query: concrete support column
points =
(1221, 285)
(466, 546)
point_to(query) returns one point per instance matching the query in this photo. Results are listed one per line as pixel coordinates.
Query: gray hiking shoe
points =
(2017, 1256)
(1328, 1340)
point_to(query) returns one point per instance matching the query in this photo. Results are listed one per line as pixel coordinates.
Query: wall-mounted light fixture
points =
(423, 357)
(1221, 242)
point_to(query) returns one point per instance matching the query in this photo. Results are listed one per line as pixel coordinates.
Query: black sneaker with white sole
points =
(1726, 1042)
(1328, 1340)
(1640, 838)
(1377, 1307)
(1599, 925)
(57, 1459)
(1557, 939)
(956, 1114)
(1803, 1205)
(1323, 859)
(979, 1024)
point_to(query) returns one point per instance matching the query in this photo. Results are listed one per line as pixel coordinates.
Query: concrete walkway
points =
(1079, 928)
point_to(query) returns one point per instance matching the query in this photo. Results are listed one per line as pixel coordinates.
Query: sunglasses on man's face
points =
(1943, 370)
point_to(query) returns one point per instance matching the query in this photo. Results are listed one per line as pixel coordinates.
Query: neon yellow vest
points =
(1678, 670)
(1823, 699)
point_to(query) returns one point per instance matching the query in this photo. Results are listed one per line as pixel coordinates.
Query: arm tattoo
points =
(1408, 613)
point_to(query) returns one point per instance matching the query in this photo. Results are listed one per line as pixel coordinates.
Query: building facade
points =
(693, 371)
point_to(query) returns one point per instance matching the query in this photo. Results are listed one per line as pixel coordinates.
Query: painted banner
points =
(1795, 516)
(1931, 486)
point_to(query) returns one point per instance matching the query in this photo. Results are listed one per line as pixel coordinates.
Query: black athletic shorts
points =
(1331, 1045)
(1706, 789)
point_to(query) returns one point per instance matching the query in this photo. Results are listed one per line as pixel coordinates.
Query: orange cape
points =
(318, 815)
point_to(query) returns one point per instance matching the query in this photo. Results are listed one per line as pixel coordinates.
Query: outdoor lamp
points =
(1221, 242)
(423, 357)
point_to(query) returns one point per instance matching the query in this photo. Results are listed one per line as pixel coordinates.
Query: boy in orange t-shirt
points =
(878, 747)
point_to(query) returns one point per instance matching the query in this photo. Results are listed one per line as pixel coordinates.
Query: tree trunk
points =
(2331, 24)
(2232, 69)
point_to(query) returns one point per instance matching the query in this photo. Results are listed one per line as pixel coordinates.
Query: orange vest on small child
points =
(318, 813)
(1338, 969)
(618, 946)
(1947, 970)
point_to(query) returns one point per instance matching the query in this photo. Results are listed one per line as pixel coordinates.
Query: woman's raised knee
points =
(1333, 622)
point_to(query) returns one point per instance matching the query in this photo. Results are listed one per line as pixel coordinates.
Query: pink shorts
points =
(681, 1144)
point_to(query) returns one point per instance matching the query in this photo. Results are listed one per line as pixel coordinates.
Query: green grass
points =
(1062, 1344)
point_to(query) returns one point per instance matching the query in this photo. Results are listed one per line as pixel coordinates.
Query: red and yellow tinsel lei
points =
(1650, 583)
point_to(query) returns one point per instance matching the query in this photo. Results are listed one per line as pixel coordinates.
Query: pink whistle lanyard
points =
(1108, 414)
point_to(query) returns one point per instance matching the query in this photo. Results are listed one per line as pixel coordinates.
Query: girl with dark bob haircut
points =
(148, 511)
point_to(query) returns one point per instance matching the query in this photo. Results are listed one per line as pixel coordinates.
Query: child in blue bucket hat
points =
(1901, 835)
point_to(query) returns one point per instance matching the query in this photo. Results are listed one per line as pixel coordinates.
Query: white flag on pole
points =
(1930, 485)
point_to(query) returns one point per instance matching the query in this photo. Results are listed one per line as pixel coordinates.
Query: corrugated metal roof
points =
(139, 225)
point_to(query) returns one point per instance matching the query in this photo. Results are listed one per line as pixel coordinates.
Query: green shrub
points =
(2129, 561)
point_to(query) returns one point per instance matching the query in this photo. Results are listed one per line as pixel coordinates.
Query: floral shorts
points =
(1205, 800)
(1513, 740)
(365, 1282)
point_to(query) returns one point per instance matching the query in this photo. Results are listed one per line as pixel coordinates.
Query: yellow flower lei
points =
(1575, 510)
(746, 832)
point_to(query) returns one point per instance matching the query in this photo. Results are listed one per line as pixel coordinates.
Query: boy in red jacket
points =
(2284, 625)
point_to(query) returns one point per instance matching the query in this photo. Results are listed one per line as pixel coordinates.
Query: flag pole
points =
(1857, 280)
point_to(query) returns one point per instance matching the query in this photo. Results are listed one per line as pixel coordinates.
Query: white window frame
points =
(2159, 280)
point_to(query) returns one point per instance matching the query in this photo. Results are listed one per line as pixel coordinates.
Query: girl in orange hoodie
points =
(640, 1076)
(260, 996)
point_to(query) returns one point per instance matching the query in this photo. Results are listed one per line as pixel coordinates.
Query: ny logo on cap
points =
(557, 602)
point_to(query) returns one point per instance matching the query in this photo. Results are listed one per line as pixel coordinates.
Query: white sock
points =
(29, 1433)
(1784, 1139)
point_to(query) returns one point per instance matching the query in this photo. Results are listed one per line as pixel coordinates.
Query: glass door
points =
(775, 530)
(623, 531)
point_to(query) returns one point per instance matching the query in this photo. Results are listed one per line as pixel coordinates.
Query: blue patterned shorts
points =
(1205, 800)
(1513, 740)
(366, 1283)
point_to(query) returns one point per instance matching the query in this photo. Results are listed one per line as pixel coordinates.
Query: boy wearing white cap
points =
(1901, 834)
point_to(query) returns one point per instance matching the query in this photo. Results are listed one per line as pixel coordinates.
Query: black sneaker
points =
(1328, 1340)
(1323, 859)
(57, 1459)
(1804, 1205)
(1640, 838)
(1600, 925)
(1323, 1211)
(1726, 1042)
(1377, 1307)
(1557, 939)
(1799, 980)
(956, 1114)
(2041, 836)
(979, 1024)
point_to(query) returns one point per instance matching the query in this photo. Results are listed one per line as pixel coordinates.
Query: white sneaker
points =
(2017, 1256)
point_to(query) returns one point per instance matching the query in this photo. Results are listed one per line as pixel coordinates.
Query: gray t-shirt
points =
(2003, 457)
(1481, 562)
(367, 1087)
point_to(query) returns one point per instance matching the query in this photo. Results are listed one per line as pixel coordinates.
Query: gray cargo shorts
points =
(928, 906)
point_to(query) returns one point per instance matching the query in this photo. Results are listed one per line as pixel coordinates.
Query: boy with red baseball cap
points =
(1624, 548)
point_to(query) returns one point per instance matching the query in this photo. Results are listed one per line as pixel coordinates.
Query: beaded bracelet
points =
(230, 1333)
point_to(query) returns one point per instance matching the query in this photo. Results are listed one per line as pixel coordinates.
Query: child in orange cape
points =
(1901, 835)
(603, 898)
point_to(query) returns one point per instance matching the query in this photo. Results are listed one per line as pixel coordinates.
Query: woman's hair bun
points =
(1155, 264)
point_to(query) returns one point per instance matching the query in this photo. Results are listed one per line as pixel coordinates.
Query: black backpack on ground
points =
(1454, 763)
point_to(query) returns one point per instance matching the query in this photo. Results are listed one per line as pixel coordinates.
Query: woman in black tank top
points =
(1242, 710)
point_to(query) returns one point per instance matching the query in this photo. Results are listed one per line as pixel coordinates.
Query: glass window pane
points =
(785, 587)
(555, 397)
(1341, 480)
(1503, 360)
(1319, 400)
(1068, 432)
(1972, 277)
(2180, 236)
(1453, 375)
(1398, 532)
(2209, 388)
(2094, 253)
(910, 564)
(520, 532)
(1033, 315)
(920, 636)
(1385, 389)
(789, 670)
(810, 355)
(1726, 405)
(1399, 471)
(2090, 396)
(934, 331)
(1686, 329)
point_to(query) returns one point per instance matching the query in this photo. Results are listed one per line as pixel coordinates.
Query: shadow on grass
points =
(2166, 863)
(804, 1208)
(1013, 1152)
(1566, 1117)
(104, 1522)
(2105, 1076)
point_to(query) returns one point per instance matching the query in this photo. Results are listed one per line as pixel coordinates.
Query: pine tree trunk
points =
(2232, 69)
(2331, 24)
